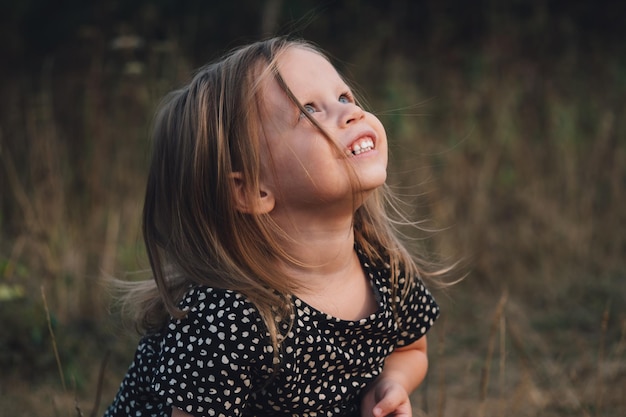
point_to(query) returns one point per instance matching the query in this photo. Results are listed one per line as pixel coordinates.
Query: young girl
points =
(279, 285)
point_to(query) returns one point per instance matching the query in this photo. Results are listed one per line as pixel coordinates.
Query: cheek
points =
(374, 122)
(268, 161)
(381, 144)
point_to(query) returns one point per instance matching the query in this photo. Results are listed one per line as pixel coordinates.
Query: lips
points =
(365, 142)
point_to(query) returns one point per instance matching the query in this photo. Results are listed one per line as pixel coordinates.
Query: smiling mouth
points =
(360, 146)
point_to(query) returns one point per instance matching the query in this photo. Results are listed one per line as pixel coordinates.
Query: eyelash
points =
(347, 96)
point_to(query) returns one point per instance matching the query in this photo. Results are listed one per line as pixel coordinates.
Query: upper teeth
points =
(360, 146)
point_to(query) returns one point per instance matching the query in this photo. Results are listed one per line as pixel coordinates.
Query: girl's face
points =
(302, 169)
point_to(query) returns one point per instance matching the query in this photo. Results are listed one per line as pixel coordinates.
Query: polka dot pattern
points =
(218, 360)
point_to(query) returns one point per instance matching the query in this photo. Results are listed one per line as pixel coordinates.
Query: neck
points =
(323, 247)
(327, 271)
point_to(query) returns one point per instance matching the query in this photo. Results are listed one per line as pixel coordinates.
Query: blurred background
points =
(507, 135)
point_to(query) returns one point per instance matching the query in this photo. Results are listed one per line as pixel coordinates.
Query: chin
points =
(368, 188)
(374, 180)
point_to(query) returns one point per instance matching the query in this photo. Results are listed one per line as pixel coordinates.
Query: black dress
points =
(218, 360)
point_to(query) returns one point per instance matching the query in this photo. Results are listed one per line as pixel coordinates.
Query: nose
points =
(352, 113)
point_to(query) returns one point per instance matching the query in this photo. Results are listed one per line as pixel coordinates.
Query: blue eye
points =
(309, 108)
(345, 99)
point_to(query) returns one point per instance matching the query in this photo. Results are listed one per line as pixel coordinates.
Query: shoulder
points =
(415, 308)
(396, 279)
(208, 306)
(199, 298)
(220, 324)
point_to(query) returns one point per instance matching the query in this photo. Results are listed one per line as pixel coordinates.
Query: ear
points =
(261, 203)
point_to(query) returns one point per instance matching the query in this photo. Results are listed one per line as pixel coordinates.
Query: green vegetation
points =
(506, 126)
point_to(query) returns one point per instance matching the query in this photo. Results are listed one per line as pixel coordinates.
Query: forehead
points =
(304, 70)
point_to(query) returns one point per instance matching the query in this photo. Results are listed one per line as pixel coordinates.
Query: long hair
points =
(193, 232)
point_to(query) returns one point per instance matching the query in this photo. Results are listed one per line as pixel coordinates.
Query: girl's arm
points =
(404, 371)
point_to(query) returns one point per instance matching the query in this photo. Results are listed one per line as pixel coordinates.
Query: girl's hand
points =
(403, 371)
(386, 398)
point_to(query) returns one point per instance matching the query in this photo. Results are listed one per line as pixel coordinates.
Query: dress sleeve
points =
(417, 313)
(212, 359)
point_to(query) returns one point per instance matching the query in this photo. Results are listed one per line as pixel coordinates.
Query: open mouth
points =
(359, 146)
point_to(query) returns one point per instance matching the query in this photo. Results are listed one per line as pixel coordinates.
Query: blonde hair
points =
(194, 234)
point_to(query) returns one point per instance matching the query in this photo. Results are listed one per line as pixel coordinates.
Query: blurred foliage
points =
(33, 30)
(25, 340)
